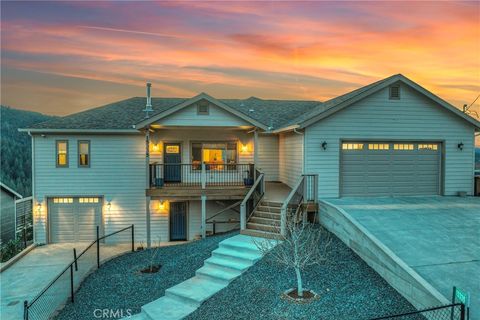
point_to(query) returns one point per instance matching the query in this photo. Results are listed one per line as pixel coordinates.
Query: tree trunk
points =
(299, 283)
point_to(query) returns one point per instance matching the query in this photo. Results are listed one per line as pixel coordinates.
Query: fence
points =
(62, 287)
(454, 311)
(252, 199)
(24, 221)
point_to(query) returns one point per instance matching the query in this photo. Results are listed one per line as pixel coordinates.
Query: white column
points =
(204, 216)
(147, 199)
(203, 176)
(255, 151)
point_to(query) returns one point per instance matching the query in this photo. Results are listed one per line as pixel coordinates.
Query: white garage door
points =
(74, 219)
(390, 168)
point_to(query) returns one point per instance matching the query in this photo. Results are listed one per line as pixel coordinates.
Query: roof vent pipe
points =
(148, 107)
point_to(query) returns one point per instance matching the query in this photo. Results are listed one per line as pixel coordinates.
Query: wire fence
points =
(454, 311)
(62, 288)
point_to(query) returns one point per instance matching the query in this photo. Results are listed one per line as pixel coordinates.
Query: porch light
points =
(39, 207)
(161, 205)
(109, 205)
(324, 145)
(155, 147)
(460, 146)
(244, 148)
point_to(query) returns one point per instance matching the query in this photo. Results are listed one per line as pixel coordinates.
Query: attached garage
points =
(390, 168)
(74, 219)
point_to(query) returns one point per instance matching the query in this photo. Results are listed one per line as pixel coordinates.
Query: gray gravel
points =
(348, 287)
(119, 286)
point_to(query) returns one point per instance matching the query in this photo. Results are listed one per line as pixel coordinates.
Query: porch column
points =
(255, 152)
(147, 175)
(204, 216)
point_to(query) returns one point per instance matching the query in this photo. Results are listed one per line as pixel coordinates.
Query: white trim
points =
(106, 131)
(13, 192)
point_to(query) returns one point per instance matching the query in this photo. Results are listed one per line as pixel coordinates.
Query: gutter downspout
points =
(147, 185)
(33, 189)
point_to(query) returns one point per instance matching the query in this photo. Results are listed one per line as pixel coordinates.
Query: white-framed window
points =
(214, 154)
(61, 151)
(378, 146)
(84, 153)
(403, 146)
(428, 146)
(352, 146)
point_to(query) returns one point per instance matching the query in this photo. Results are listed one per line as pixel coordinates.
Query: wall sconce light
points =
(324, 145)
(109, 205)
(155, 147)
(161, 205)
(460, 146)
(244, 148)
(39, 207)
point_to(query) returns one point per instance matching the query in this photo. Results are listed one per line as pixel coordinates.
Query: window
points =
(352, 146)
(84, 153)
(172, 149)
(428, 146)
(395, 92)
(62, 200)
(403, 146)
(62, 153)
(88, 200)
(202, 107)
(378, 146)
(214, 154)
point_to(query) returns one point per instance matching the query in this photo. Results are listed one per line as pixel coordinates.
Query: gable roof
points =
(339, 103)
(127, 116)
(10, 190)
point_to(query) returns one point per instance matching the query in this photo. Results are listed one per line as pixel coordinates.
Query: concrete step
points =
(271, 204)
(266, 221)
(166, 308)
(194, 291)
(263, 227)
(268, 215)
(138, 316)
(217, 274)
(260, 234)
(242, 257)
(240, 246)
(268, 209)
(227, 264)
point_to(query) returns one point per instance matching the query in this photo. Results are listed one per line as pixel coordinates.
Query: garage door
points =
(74, 219)
(390, 168)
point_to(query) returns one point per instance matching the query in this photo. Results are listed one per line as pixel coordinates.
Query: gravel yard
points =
(119, 286)
(349, 289)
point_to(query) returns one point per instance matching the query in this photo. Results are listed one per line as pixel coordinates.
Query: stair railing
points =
(305, 191)
(251, 200)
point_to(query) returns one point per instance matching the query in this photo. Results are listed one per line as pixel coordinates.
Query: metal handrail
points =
(223, 210)
(27, 304)
(462, 311)
(283, 209)
(243, 205)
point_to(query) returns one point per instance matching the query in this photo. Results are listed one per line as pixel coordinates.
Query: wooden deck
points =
(194, 193)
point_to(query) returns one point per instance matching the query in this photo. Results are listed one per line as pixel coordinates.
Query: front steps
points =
(233, 257)
(265, 221)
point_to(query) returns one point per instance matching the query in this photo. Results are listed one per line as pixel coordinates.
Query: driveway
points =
(27, 277)
(439, 237)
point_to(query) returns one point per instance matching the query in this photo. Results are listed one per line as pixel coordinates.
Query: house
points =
(7, 212)
(168, 165)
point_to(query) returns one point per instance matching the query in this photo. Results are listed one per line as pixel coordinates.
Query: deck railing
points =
(304, 192)
(201, 175)
(251, 200)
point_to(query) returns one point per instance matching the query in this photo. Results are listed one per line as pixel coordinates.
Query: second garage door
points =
(390, 168)
(74, 219)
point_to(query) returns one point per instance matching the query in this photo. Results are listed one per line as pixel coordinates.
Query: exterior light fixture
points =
(324, 145)
(39, 207)
(155, 147)
(460, 146)
(109, 205)
(161, 205)
(244, 148)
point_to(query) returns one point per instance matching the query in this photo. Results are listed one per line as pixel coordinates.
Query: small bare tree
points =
(304, 244)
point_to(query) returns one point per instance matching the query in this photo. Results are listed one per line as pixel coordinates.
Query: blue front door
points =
(178, 221)
(172, 160)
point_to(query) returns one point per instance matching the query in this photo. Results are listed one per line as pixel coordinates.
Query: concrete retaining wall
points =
(394, 270)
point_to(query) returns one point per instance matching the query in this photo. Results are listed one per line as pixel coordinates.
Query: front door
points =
(178, 221)
(172, 159)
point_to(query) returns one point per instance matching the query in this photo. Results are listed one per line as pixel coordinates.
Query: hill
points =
(16, 154)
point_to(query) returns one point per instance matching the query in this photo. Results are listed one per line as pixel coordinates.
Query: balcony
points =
(188, 181)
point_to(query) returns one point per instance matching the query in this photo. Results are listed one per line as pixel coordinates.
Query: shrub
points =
(11, 249)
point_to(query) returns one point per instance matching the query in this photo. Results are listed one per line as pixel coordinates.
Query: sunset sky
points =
(60, 58)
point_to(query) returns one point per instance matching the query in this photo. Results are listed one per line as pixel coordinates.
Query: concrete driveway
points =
(27, 277)
(439, 237)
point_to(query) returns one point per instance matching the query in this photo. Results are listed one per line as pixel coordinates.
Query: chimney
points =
(148, 107)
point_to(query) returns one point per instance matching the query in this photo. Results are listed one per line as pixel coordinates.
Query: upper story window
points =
(203, 108)
(214, 154)
(394, 92)
(84, 153)
(62, 153)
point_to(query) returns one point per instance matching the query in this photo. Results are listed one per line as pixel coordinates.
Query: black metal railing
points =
(251, 200)
(201, 175)
(62, 287)
(454, 311)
